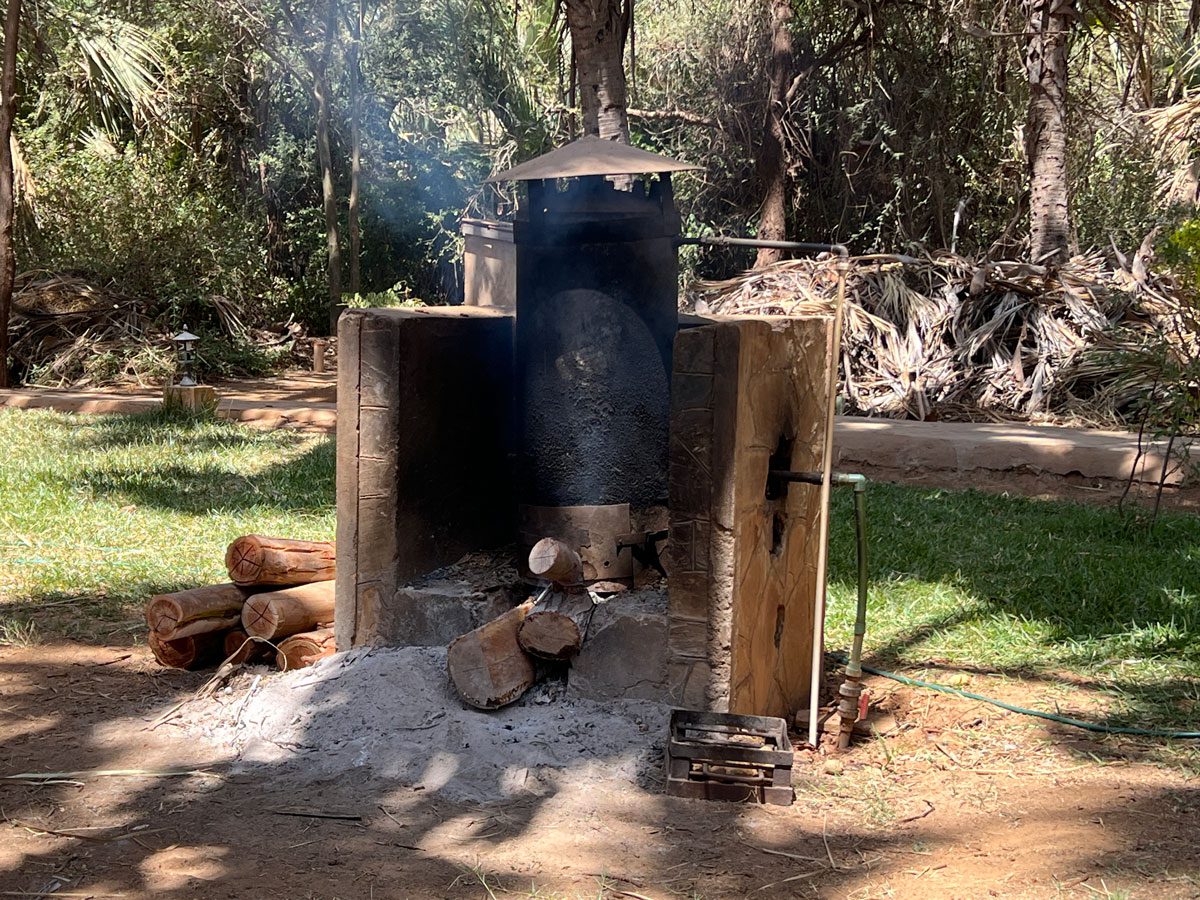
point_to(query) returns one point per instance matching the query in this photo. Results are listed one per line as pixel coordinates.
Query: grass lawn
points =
(1029, 588)
(99, 512)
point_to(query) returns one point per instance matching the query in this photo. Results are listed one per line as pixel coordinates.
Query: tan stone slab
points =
(783, 370)
(965, 446)
(279, 414)
(743, 566)
(77, 401)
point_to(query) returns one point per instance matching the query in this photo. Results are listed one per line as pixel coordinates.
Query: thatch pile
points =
(66, 331)
(947, 337)
(60, 323)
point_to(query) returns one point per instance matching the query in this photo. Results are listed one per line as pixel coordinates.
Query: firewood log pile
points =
(499, 661)
(277, 606)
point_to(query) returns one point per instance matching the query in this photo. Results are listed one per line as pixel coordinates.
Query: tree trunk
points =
(598, 32)
(280, 614)
(771, 166)
(8, 110)
(276, 244)
(355, 66)
(328, 198)
(253, 559)
(1048, 23)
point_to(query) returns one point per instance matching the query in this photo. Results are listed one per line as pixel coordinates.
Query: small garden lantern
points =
(185, 353)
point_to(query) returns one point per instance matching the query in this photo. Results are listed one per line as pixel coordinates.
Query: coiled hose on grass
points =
(1098, 727)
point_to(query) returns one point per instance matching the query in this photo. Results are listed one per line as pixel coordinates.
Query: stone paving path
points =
(306, 401)
(968, 447)
(301, 401)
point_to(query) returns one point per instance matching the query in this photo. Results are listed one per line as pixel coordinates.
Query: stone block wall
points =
(742, 586)
(424, 473)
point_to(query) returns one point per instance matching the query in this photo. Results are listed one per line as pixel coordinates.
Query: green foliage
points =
(147, 227)
(172, 144)
(94, 69)
(398, 296)
(1181, 251)
(148, 363)
(885, 159)
(218, 358)
(1117, 193)
(224, 358)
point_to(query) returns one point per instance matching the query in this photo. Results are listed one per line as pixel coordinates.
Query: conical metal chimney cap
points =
(592, 155)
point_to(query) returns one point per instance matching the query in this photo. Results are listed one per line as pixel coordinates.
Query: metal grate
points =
(723, 756)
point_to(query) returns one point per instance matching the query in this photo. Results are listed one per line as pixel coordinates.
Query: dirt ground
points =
(952, 798)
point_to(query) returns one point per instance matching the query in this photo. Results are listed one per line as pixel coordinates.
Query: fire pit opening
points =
(594, 416)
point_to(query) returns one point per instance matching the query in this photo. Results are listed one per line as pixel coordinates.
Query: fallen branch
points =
(109, 773)
(310, 814)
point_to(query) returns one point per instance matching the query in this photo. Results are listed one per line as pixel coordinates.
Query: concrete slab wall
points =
(742, 567)
(424, 472)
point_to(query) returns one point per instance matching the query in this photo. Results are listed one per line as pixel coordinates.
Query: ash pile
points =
(391, 714)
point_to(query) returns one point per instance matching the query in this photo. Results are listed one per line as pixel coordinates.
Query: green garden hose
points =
(1098, 727)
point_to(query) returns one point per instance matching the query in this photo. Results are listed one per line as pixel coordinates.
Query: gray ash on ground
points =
(392, 714)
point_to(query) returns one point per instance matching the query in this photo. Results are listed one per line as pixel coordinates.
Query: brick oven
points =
(595, 414)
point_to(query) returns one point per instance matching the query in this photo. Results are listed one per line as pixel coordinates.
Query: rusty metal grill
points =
(723, 756)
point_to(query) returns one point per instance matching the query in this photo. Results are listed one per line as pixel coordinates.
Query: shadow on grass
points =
(113, 616)
(304, 482)
(197, 430)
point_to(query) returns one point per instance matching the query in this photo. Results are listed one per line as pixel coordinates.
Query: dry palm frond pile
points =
(61, 325)
(65, 331)
(947, 337)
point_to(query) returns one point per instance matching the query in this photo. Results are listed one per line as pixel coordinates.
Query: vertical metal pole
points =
(818, 635)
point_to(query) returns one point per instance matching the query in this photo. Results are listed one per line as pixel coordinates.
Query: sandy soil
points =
(954, 799)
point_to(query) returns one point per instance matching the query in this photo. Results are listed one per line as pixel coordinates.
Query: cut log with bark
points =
(193, 652)
(550, 635)
(256, 560)
(302, 650)
(488, 667)
(280, 614)
(241, 648)
(197, 611)
(555, 561)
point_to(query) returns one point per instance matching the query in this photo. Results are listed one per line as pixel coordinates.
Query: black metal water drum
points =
(597, 311)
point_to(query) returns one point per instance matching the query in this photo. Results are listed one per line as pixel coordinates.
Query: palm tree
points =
(599, 29)
(1048, 27)
(118, 72)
